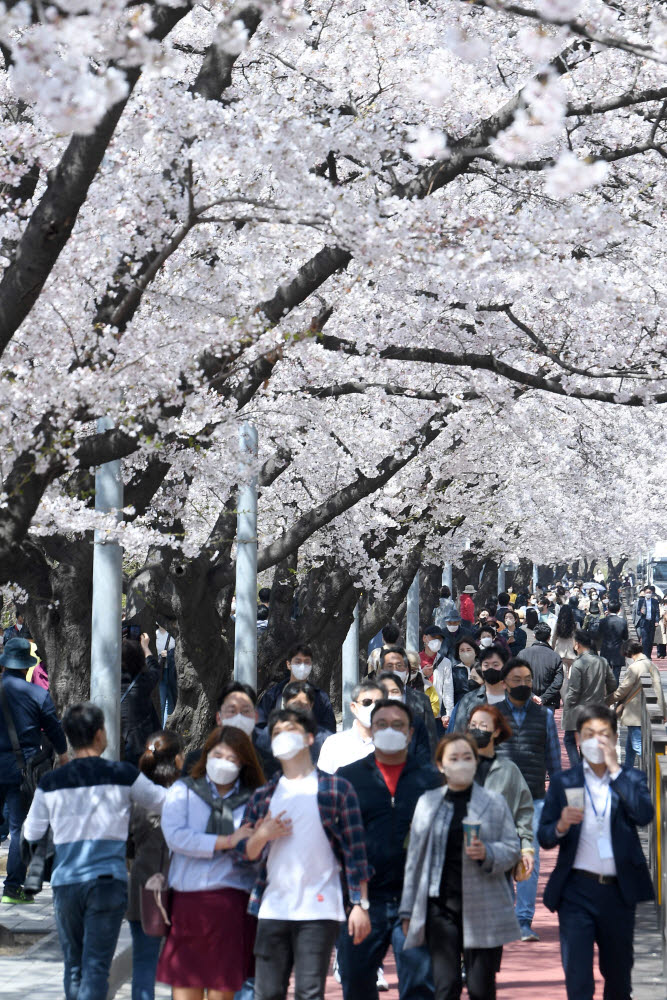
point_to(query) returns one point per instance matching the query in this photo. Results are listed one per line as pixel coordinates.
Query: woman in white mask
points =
(456, 896)
(209, 949)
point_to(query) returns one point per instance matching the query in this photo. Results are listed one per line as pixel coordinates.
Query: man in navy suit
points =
(648, 615)
(592, 813)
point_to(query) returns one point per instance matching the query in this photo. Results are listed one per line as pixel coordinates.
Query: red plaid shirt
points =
(341, 819)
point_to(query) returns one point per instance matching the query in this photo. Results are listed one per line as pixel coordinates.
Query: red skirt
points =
(210, 944)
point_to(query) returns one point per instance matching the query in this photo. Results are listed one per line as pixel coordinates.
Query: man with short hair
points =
(300, 668)
(301, 694)
(238, 709)
(388, 783)
(264, 597)
(547, 668)
(612, 633)
(394, 659)
(307, 827)
(350, 745)
(601, 873)
(26, 711)
(591, 680)
(503, 607)
(19, 630)
(492, 660)
(545, 612)
(87, 804)
(421, 744)
(647, 617)
(535, 749)
(390, 636)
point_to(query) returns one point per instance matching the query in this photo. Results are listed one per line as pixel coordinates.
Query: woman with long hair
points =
(562, 637)
(209, 949)
(162, 762)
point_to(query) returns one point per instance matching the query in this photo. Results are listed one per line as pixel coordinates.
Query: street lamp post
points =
(245, 633)
(105, 647)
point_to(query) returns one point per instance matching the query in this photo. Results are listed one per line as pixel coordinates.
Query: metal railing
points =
(654, 764)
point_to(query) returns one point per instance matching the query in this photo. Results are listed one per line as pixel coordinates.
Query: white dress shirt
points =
(344, 748)
(594, 829)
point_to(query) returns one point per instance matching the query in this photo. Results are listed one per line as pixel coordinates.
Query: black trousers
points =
(302, 945)
(590, 913)
(444, 937)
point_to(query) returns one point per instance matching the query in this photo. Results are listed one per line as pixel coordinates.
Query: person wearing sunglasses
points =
(352, 744)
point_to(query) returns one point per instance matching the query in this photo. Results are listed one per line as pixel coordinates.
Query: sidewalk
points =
(530, 970)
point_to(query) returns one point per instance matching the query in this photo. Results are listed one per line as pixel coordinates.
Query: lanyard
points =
(602, 815)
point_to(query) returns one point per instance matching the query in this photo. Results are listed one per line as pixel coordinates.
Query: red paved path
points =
(530, 971)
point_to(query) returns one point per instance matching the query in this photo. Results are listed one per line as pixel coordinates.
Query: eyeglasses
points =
(366, 702)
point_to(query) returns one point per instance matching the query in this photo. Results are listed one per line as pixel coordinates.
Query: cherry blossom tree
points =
(419, 246)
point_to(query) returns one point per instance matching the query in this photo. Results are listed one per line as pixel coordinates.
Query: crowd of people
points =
(284, 839)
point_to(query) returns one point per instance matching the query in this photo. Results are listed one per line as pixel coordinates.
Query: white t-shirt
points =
(302, 871)
(164, 641)
(343, 748)
(494, 699)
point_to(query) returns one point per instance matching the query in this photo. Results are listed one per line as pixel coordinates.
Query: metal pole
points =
(245, 641)
(535, 577)
(501, 578)
(105, 644)
(447, 575)
(350, 667)
(412, 625)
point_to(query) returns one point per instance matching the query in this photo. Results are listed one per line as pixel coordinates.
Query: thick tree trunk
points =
(59, 614)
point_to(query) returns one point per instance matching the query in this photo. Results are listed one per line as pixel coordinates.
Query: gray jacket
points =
(488, 911)
(506, 779)
(591, 680)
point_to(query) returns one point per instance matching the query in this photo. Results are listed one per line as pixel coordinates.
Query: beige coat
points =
(641, 667)
(661, 630)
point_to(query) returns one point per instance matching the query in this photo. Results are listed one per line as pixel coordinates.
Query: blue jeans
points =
(88, 917)
(633, 745)
(359, 963)
(16, 814)
(166, 689)
(247, 991)
(526, 892)
(145, 953)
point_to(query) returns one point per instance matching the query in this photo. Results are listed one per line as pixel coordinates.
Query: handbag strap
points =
(129, 689)
(11, 728)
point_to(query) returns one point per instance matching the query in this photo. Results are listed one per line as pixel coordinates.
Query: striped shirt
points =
(87, 805)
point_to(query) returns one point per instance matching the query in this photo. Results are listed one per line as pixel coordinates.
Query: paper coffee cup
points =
(471, 828)
(575, 797)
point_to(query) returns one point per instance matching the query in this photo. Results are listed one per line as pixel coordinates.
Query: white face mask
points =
(434, 645)
(461, 772)
(287, 744)
(452, 628)
(221, 771)
(364, 715)
(402, 674)
(244, 722)
(390, 740)
(467, 658)
(19, 626)
(301, 670)
(486, 640)
(592, 751)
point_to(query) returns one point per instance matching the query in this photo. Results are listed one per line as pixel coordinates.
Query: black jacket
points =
(138, 718)
(547, 668)
(322, 711)
(613, 631)
(641, 611)
(386, 820)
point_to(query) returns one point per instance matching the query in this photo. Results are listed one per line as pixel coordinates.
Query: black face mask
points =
(521, 692)
(492, 675)
(481, 737)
